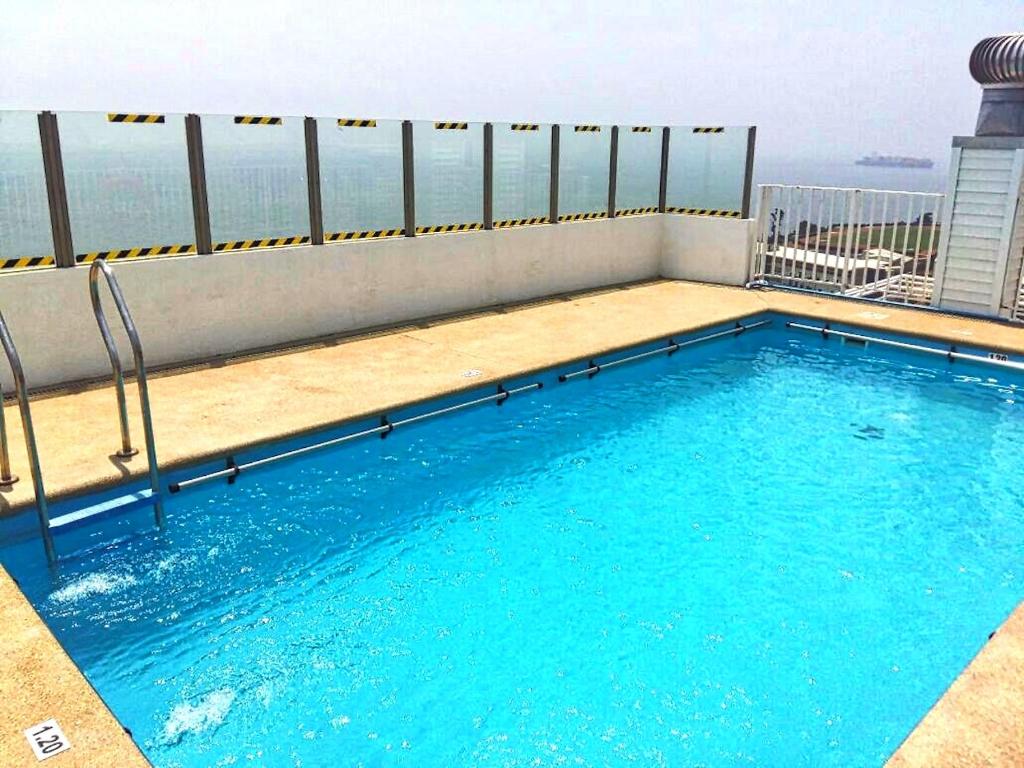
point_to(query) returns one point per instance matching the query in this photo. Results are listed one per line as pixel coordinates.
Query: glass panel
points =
(583, 158)
(24, 214)
(127, 183)
(639, 168)
(705, 170)
(522, 172)
(361, 176)
(256, 179)
(449, 174)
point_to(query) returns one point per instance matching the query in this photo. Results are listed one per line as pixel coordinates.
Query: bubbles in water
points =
(93, 584)
(170, 563)
(207, 714)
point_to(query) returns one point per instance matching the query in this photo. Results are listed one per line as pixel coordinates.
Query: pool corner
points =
(39, 681)
(978, 719)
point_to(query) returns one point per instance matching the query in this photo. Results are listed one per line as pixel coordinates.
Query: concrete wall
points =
(707, 249)
(194, 307)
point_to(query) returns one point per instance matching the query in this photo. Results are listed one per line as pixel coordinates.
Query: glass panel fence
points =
(638, 173)
(583, 160)
(26, 239)
(361, 178)
(256, 181)
(127, 183)
(705, 170)
(129, 191)
(449, 172)
(522, 174)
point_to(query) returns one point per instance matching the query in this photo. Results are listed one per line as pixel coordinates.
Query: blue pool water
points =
(771, 550)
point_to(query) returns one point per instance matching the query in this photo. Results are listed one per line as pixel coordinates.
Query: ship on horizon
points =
(895, 161)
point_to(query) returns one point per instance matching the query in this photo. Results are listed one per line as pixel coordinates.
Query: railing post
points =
(488, 176)
(408, 182)
(316, 213)
(197, 180)
(553, 208)
(613, 170)
(666, 132)
(56, 191)
(759, 249)
(21, 388)
(748, 173)
(7, 478)
(852, 215)
(98, 267)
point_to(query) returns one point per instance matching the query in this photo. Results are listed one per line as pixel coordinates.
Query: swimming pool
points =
(773, 549)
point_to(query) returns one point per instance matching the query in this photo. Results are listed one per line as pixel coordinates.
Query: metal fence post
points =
(553, 209)
(56, 192)
(197, 180)
(488, 176)
(316, 213)
(613, 170)
(408, 182)
(666, 132)
(748, 173)
(852, 216)
(759, 249)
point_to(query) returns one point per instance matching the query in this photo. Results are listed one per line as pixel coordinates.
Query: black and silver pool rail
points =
(671, 348)
(950, 353)
(386, 427)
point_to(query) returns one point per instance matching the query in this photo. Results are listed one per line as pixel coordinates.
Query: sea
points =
(846, 173)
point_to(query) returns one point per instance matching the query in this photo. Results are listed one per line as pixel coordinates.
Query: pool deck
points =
(979, 721)
(212, 410)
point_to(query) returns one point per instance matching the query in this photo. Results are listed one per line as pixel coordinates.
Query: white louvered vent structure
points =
(982, 236)
(1013, 291)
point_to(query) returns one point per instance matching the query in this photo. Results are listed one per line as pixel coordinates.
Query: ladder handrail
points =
(30, 438)
(101, 267)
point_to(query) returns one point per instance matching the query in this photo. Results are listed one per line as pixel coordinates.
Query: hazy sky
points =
(818, 78)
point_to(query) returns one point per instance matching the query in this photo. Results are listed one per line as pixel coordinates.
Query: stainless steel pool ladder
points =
(30, 441)
(101, 267)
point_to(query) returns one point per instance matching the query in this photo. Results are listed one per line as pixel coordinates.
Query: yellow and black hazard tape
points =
(520, 222)
(525, 127)
(582, 216)
(705, 212)
(368, 234)
(451, 126)
(641, 129)
(134, 253)
(709, 129)
(441, 228)
(257, 120)
(587, 128)
(27, 262)
(267, 242)
(124, 117)
(347, 123)
(636, 211)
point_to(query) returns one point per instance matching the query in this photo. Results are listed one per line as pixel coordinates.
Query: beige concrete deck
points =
(210, 411)
(214, 410)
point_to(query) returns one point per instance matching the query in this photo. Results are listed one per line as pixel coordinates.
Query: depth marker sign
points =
(47, 739)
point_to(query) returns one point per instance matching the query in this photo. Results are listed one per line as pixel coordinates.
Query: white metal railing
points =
(867, 243)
